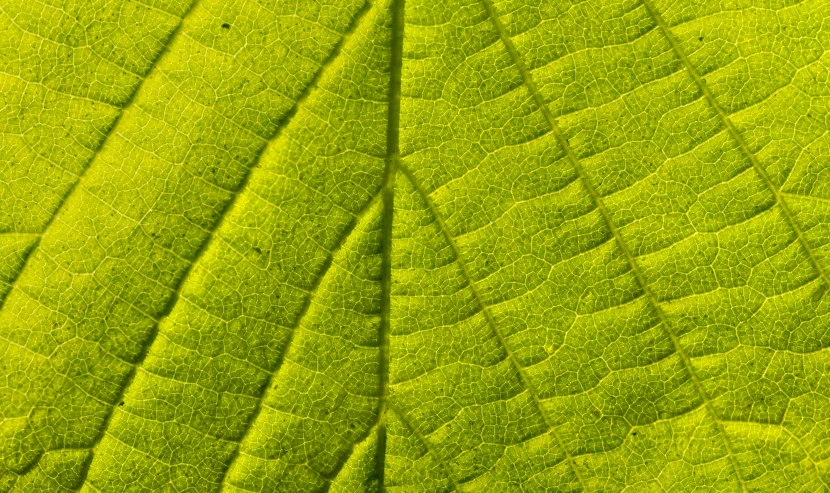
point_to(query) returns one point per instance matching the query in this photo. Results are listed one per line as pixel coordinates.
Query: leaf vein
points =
(300, 317)
(736, 135)
(635, 269)
(490, 321)
(216, 226)
(97, 152)
(427, 446)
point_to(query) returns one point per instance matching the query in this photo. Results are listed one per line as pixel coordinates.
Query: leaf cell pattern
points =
(388, 245)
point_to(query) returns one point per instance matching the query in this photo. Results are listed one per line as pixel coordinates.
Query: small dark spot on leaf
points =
(700, 38)
(226, 26)
(120, 403)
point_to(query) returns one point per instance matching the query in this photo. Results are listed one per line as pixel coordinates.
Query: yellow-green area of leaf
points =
(406, 246)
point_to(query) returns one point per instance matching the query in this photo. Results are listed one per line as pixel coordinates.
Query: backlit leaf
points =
(467, 245)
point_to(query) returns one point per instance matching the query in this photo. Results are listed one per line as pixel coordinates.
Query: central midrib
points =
(393, 152)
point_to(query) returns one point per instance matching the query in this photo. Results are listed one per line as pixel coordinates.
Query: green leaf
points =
(472, 245)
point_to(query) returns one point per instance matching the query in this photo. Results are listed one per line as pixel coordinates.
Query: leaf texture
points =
(388, 245)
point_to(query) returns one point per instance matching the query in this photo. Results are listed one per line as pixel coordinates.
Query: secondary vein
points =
(514, 55)
(485, 310)
(300, 317)
(742, 144)
(635, 269)
(736, 135)
(427, 446)
(211, 235)
(103, 144)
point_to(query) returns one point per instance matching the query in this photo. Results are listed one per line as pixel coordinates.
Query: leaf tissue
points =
(414, 245)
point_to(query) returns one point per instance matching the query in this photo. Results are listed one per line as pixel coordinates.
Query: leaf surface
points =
(469, 245)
